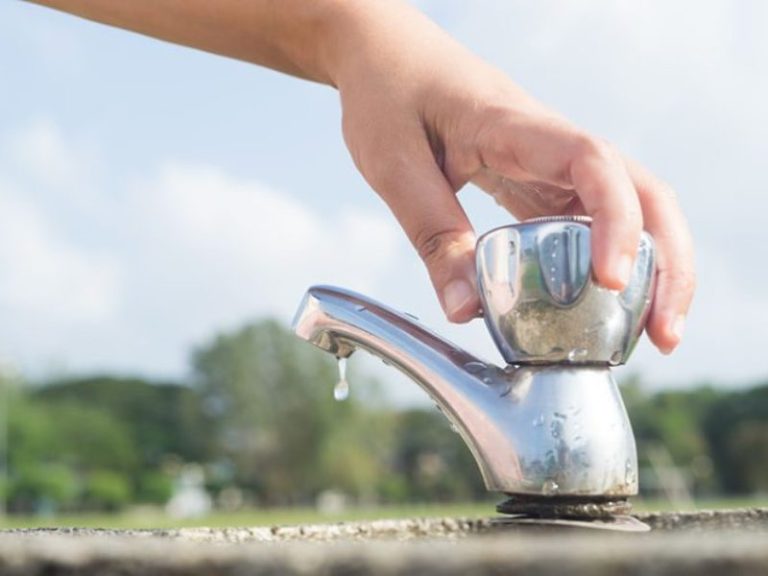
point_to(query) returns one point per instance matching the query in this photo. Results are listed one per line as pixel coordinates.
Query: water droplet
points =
(360, 308)
(616, 357)
(577, 354)
(341, 390)
(629, 473)
(538, 421)
(474, 367)
(550, 488)
(512, 247)
(453, 427)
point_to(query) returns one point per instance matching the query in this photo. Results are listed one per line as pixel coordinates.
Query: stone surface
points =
(699, 543)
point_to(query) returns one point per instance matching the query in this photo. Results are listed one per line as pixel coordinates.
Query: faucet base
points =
(573, 507)
(614, 524)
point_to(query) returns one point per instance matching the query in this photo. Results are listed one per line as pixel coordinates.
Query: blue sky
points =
(151, 195)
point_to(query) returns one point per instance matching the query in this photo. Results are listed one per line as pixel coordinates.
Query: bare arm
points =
(280, 34)
(422, 117)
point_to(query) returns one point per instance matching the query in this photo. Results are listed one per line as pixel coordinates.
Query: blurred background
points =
(163, 210)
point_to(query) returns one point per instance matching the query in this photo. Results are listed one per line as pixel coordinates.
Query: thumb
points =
(426, 207)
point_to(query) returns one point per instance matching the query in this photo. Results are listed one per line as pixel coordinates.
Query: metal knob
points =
(541, 303)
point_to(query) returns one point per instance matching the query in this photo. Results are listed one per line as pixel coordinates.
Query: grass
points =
(156, 519)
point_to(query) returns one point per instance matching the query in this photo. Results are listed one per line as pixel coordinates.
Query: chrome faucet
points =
(550, 427)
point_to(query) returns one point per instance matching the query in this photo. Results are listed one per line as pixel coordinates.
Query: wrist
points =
(355, 35)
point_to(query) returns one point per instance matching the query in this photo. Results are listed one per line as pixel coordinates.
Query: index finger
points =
(676, 275)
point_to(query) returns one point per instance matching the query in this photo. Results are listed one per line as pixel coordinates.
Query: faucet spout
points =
(532, 430)
(340, 321)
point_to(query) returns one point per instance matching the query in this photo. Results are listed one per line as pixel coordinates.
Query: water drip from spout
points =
(341, 390)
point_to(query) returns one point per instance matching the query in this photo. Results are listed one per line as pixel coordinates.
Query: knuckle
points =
(387, 173)
(687, 282)
(593, 149)
(683, 282)
(432, 245)
(497, 146)
(667, 192)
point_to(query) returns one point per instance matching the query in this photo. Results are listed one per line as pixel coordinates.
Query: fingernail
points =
(678, 327)
(456, 295)
(624, 269)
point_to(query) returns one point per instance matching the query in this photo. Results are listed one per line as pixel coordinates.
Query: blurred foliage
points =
(42, 488)
(432, 460)
(154, 488)
(106, 490)
(269, 410)
(717, 439)
(258, 414)
(155, 418)
(737, 430)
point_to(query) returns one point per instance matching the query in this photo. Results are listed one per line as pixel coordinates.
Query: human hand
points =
(423, 117)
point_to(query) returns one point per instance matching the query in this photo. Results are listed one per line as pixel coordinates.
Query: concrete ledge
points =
(699, 543)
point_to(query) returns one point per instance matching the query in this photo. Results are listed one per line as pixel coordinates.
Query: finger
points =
(556, 154)
(676, 276)
(415, 189)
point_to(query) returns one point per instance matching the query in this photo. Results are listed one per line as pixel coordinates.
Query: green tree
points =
(42, 487)
(737, 429)
(673, 419)
(268, 403)
(434, 460)
(159, 418)
(106, 490)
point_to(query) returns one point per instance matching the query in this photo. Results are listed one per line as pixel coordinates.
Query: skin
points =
(423, 116)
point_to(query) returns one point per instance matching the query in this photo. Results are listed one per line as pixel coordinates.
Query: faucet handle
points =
(541, 303)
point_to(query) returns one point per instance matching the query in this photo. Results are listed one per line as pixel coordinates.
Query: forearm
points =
(293, 36)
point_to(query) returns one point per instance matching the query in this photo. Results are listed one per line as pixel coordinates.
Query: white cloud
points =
(210, 251)
(45, 278)
(185, 253)
(43, 153)
(255, 240)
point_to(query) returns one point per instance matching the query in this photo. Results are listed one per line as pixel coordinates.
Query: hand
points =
(423, 116)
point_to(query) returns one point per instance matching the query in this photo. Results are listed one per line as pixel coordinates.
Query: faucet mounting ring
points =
(574, 507)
